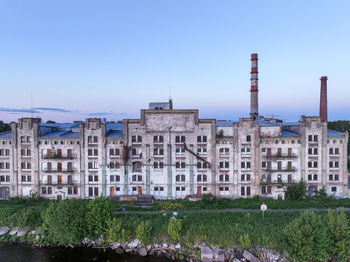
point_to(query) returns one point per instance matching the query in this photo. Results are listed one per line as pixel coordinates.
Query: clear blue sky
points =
(110, 58)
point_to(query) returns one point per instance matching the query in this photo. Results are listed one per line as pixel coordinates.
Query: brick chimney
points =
(323, 99)
(254, 105)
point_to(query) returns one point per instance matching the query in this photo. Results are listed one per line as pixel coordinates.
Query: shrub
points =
(306, 238)
(167, 205)
(174, 229)
(338, 226)
(125, 235)
(113, 230)
(65, 221)
(28, 217)
(321, 194)
(244, 240)
(144, 232)
(100, 210)
(296, 191)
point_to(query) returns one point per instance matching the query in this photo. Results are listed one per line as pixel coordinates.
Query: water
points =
(22, 253)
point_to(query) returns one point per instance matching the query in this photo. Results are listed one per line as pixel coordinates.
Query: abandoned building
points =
(171, 153)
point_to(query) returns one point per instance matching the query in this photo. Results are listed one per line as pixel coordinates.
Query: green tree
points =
(338, 226)
(144, 232)
(100, 211)
(306, 238)
(296, 191)
(174, 229)
(65, 221)
(113, 230)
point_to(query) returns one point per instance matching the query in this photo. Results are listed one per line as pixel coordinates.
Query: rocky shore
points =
(180, 252)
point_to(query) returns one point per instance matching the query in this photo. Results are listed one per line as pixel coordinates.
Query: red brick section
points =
(323, 99)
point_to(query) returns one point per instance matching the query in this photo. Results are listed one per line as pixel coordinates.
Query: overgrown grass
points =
(242, 203)
(220, 228)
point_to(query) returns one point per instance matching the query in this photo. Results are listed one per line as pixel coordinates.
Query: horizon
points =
(65, 61)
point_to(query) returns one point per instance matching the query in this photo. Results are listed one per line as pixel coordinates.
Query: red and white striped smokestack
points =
(254, 103)
(323, 99)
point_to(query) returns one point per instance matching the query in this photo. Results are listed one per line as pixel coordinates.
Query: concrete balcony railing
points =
(50, 170)
(286, 169)
(280, 156)
(59, 156)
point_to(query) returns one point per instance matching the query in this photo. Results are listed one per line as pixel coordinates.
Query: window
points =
(201, 139)
(245, 177)
(224, 178)
(92, 165)
(136, 167)
(158, 165)
(279, 178)
(334, 189)
(43, 190)
(225, 164)
(315, 164)
(158, 151)
(331, 151)
(279, 165)
(310, 138)
(137, 178)
(180, 139)
(202, 165)
(158, 188)
(180, 178)
(263, 164)
(180, 188)
(114, 152)
(180, 150)
(242, 191)
(315, 138)
(158, 139)
(336, 151)
(315, 151)
(202, 178)
(248, 138)
(180, 165)
(202, 150)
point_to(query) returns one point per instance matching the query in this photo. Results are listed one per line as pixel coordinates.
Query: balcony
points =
(280, 156)
(52, 156)
(50, 170)
(287, 169)
(277, 182)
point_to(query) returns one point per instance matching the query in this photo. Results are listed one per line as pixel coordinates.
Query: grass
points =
(221, 229)
(243, 203)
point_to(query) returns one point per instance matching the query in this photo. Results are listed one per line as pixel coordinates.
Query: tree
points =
(100, 211)
(296, 191)
(65, 221)
(306, 238)
(338, 226)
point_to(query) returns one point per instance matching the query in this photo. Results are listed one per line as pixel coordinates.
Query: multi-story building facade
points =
(171, 153)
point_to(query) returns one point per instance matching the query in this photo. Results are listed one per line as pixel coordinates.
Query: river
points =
(22, 253)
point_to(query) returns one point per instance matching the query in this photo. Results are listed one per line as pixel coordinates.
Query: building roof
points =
(110, 127)
(115, 133)
(224, 122)
(61, 134)
(289, 133)
(332, 133)
(7, 134)
(60, 125)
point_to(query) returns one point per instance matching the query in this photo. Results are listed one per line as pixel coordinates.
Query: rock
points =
(175, 213)
(236, 260)
(134, 243)
(249, 256)
(115, 245)
(4, 230)
(142, 252)
(206, 254)
(165, 245)
(172, 247)
(148, 248)
(37, 237)
(13, 231)
(35, 231)
(178, 246)
(219, 255)
(22, 231)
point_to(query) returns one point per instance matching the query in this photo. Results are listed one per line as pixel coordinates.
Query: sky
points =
(66, 60)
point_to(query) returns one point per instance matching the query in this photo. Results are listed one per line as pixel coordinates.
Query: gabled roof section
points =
(7, 134)
(332, 133)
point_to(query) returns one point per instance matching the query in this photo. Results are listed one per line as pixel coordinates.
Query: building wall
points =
(172, 154)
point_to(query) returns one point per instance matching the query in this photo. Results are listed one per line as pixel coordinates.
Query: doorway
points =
(139, 190)
(199, 190)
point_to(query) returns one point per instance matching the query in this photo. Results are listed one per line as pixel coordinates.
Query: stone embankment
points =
(184, 252)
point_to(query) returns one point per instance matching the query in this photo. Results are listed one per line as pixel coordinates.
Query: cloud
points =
(53, 109)
(100, 114)
(15, 110)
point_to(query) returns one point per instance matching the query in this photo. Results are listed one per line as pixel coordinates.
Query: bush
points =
(144, 232)
(306, 238)
(65, 221)
(113, 230)
(338, 226)
(100, 210)
(29, 217)
(296, 191)
(244, 240)
(321, 194)
(125, 235)
(174, 229)
(171, 205)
